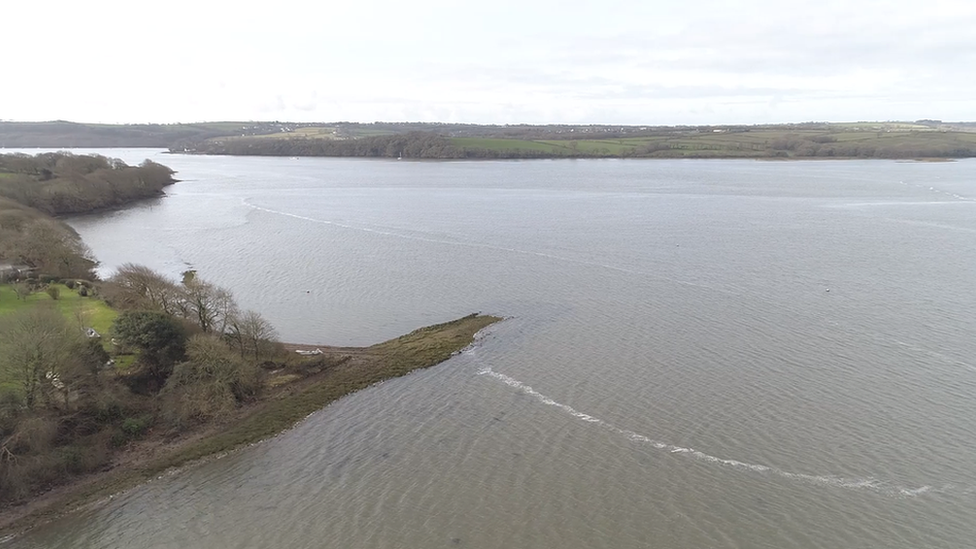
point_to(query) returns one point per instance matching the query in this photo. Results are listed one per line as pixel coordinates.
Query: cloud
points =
(543, 61)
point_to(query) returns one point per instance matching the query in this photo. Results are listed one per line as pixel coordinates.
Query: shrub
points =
(19, 478)
(113, 402)
(213, 381)
(159, 338)
(83, 291)
(11, 405)
(54, 292)
(118, 440)
(71, 459)
(33, 435)
(23, 290)
(70, 284)
(135, 426)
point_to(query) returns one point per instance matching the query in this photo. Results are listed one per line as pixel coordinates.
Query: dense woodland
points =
(33, 189)
(410, 145)
(63, 183)
(176, 356)
(68, 408)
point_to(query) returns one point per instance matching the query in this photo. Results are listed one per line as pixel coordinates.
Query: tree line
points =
(63, 183)
(65, 407)
(409, 145)
(35, 188)
(919, 145)
(187, 351)
(675, 144)
(63, 134)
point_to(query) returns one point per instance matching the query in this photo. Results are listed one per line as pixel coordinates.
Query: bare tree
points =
(39, 350)
(211, 382)
(252, 335)
(139, 287)
(208, 305)
(55, 249)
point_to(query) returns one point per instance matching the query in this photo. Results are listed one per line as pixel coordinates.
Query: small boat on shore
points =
(309, 353)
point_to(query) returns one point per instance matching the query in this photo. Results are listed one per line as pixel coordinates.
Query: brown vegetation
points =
(189, 374)
(476, 142)
(210, 386)
(63, 183)
(66, 410)
(34, 188)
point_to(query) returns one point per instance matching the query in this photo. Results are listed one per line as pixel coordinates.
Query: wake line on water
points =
(875, 485)
(559, 258)
(485, 246)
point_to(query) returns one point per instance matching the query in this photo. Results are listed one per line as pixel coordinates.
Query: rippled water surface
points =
(698, 354)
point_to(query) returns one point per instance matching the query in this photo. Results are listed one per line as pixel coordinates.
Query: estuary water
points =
(696, 354)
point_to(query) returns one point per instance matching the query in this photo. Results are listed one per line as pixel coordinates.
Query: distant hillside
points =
(857, 140)
(61, 134)
(922, 138)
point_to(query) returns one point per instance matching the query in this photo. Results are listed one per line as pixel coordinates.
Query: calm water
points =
(674, 372)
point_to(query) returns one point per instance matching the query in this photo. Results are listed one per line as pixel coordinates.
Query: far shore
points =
(335, 372)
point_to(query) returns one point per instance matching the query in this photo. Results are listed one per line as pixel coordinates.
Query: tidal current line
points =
(875, 485)
(874, 336)
(488, 247)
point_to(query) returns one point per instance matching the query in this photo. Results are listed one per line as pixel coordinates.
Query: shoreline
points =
(935, 159)
(348, 370)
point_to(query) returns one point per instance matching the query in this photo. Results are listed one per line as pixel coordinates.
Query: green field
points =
(316, 132)
(91, 311)
(496, 144)
(312, 132)
(732, 144)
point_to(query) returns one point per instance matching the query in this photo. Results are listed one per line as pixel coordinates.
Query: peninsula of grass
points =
(320, 380)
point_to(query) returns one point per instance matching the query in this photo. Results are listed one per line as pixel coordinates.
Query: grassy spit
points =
(281, 408)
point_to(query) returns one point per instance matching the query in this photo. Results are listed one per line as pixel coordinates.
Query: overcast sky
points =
(533, 61)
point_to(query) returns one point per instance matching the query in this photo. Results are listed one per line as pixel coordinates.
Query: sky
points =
(503, 62)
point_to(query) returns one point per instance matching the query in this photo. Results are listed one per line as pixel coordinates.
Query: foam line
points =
(487, 247)
(559, 258)
(875, 485)
(934, 354)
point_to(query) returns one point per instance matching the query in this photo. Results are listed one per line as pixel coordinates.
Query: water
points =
(673, 371)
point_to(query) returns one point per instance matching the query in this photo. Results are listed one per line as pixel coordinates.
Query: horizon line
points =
(405, 122)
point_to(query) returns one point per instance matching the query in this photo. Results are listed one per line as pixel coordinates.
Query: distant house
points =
(9, 271)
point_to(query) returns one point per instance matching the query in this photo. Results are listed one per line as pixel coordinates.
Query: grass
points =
(93, 312)
(755, 143)
(280, 411)
(857, 139)
(419, 349)
(497, 144)
(897, 126)
(312, 132)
